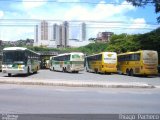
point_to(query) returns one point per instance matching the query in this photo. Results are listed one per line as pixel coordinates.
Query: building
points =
(44, 30)
(83, 32)
(65, 34)
(43, 34)
(104, 36)
(61, 34)
(51, 35)
(56, 33)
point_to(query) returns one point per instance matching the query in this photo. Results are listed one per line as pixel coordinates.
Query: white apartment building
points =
(51, 35)
(42, 34)
(83, 32)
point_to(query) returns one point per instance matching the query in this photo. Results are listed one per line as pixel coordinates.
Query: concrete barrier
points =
(73, 83)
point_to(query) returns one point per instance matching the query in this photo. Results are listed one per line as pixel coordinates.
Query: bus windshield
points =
(150, 57)
(10, 57)
(110, 57)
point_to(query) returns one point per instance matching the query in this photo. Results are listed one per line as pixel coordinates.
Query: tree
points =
(142, 3)
(123, 43)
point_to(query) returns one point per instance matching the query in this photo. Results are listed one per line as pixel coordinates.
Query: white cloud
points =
(1, 14)
(28, 4)
(15, 33)
(138, 23)
(99, 12)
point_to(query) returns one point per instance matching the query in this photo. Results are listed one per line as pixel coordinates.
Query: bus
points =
(19, 60)
(142, 62)
(68, 62)
(0, 62)
(104, 62)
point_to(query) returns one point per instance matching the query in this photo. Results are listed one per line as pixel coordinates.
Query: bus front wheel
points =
(28, 71)
(64, 69)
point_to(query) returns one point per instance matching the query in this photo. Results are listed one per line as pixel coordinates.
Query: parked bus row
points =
(143, 62)
(19, 60)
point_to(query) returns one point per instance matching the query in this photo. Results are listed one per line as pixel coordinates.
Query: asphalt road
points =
(35, 99)
(85, 76)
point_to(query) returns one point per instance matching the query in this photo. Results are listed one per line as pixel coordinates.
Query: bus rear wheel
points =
(9, 74)
(131, 73)
(96, 70)
(127, 72)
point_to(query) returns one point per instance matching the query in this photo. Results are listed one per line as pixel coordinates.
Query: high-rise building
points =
(42, 34)
(55, 33)
(52, 36)
(44, 30)
(64, 32)
(83, 32)
(36, 34)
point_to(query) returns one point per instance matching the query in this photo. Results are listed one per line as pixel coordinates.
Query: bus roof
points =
(69, 53)
(135, 52)
(15, 48)
(100, 53)
(18, 48)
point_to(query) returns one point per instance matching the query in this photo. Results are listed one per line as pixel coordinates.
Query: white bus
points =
(19, 60)
(0, 62)
(68, 62)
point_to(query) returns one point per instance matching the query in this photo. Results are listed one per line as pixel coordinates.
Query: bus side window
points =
(137, 57)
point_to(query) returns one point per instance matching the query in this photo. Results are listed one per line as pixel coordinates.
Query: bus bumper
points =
(76, 69)
(149, 72)
(109, 70)
(14, 71)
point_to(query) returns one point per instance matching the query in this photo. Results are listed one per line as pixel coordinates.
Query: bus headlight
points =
(4, 66)
(21, 66)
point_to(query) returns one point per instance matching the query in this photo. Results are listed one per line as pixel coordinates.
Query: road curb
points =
(76, 84)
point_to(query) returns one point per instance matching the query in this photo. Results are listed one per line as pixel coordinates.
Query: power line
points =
(72, 2)
(90, 27)
(73, 21)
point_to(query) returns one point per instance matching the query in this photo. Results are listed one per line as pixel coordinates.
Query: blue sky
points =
(118, 18)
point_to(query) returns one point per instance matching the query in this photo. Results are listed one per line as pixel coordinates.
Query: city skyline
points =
(56, 35)
(18, 19)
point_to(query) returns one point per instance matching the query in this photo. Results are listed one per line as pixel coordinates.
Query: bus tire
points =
(64, 70)
(36, 70)
(76, 71)
(9, 75)
(28, 71)
(87, 70)
(96, 70)
(127, 72)
(53, 69)
(131, 72)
